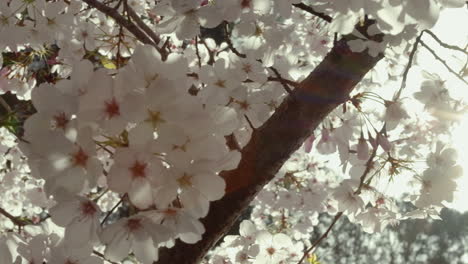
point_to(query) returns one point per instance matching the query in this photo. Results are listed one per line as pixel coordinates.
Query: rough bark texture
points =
(271, 145)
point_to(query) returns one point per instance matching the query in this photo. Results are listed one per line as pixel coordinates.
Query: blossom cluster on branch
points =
(133, 119)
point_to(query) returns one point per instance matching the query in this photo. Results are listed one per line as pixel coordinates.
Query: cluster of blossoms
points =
(259, 246)
(124, 153)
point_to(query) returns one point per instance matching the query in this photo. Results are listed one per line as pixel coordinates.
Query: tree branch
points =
(272, 143)
(283, 83)
(129, 25)
(13, 219)
(229, 42)
(322, 237)
(142, 24)
(369, 165)
(408, 66)
(443, 62)
(310, 10)
(445, 45)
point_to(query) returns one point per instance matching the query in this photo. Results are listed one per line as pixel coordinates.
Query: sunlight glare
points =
(460, 141)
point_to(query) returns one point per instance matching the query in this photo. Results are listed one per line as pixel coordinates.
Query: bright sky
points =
(450, 29)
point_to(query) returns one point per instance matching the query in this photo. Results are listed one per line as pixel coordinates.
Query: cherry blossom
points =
(154, 111)
(273, 248)
(80, 217)
(137, 234)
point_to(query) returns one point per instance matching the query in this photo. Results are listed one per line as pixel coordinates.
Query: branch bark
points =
(140, 35)
(271, 144)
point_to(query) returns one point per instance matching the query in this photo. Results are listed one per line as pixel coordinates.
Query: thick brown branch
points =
(272, 144)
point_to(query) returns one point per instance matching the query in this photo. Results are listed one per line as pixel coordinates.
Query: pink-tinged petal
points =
(140, 135)
(111, 231)
(63, 213)
(5, 255)
(190, 230)
(210, 185)
(118, 248)
(165, 195)
(144, 249)
(282, 240)
(79, 232)
(264, 238)
(118, 179)
(194, 202)
(344, 24)
(140, 193)
(190, 238)
(247, 228)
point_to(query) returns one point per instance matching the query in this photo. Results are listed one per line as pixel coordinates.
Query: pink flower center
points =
(87, 208)
(80, 158)
(138, 169)
(170, 212)
(185, 180)
(245, 3)
(134, 224)
(271, 250)
(60, 120)
(112, 108)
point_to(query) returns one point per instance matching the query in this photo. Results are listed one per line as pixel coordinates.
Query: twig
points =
(232, 143)
(12, 218)
(408, 66)
(197, 52)
(165, 46)
(112, 210)
(129, 25)
(210, 52)
(156, 39)
(5, 105)
(281, 80)
(462, 70)
(276, 79)
(337, 216)
(367, 170)
(250, 122)
(229, 42)
(443, 62)
(313, 12)
(323, 236)
(443, 44)
(99, 254)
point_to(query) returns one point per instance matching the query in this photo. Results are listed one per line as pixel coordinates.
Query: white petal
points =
(118, 248)
(118, 179)
(140, 193)
(194, 202)
(211, 186)
(144, 249)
